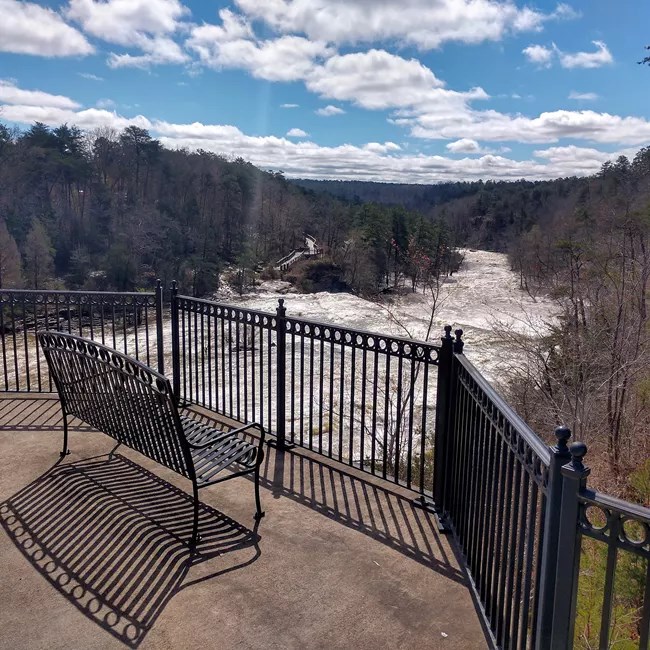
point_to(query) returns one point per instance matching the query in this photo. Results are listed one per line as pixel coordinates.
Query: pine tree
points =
(39, 259)
(10, 261)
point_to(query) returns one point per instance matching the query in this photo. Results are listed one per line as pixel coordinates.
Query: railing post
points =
(445, 361)
(560, 455)
(176, 361)
(160, 345)
(574, 480)
(280, 376)
(458, 346)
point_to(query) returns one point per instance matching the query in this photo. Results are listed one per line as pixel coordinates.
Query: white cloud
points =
(547, 127)
(234, 45)
(297, 133)
(586, 97)
(374, 79)
(329, 110)
(289, 105)
(602, 56)
(373, 161)
(159, 50)
(464, 145)
(27, 28)
(89, 75)
(382, 147)
(469, 146)
(539, 54)
(11, 94)
(564, 11)
(545, 56)
(424, 23)
(105, 103)
(143, 24)
(127, 22)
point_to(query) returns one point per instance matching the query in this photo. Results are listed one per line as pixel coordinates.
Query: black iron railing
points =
(358, 397)
(494, 494)
(419, 415)
(129, 322)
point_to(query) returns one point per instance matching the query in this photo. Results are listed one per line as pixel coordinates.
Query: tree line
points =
(116, 210)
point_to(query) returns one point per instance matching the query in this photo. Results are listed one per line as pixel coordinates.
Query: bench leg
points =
(111, 453)
(65, 451)
(260, 513)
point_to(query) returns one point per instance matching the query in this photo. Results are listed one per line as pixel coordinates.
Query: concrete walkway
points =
(93, 554)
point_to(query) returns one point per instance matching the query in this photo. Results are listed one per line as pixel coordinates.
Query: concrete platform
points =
(93, 553)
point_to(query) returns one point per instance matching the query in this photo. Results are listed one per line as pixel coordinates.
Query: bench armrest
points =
(235, 431)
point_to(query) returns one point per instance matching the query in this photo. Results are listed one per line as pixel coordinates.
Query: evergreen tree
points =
(39, 258)
(10, 261)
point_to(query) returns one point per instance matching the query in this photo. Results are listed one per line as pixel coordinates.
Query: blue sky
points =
(410, 90)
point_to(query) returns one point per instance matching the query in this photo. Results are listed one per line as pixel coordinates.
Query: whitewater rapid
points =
(481, 299)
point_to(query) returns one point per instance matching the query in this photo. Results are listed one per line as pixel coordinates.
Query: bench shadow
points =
(111, 537)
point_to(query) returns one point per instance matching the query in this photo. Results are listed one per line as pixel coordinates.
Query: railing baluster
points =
(353, 366)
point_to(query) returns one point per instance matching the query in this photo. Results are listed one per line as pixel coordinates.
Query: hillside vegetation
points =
(108, 210)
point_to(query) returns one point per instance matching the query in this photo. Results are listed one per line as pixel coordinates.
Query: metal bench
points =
(135, 405)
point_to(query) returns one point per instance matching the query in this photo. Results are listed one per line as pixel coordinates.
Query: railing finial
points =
(447, 329)
(578, 452)
(281, 309)
(562, 434)
(459, 343)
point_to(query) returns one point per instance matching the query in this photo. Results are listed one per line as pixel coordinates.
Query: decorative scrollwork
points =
(615, 523)
(79, 347)
(226, 313)
(369, 341)
(71, 300)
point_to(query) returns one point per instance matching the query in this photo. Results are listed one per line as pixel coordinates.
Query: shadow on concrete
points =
(362, 505)
(112, 538)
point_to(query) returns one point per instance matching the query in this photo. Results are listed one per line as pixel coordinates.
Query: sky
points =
(414, 91)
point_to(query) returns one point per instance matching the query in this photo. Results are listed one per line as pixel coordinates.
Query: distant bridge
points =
(311, 249)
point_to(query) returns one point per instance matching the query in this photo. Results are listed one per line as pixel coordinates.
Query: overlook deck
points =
(341, 559)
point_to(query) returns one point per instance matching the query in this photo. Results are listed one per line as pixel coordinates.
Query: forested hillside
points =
(585, 243)
(490, 214)
(115, 210)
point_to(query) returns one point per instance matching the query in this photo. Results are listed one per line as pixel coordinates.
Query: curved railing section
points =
(494, 500)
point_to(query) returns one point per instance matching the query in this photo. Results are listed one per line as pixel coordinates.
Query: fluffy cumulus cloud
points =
(12, 94)
(126, 22)
(545, 56)
(143, 24)
(539, 54)
(599, 57)
(469, 146)
(382, 147)
(549, 127)
(296, 133)
(28, 28)
(375, 79)
(372, 161)
(233, 45)
(426, 24)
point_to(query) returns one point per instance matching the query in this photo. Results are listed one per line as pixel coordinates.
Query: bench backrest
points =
(118, 395)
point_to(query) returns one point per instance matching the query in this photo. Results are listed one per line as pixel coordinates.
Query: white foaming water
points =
(481, 298)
